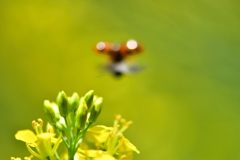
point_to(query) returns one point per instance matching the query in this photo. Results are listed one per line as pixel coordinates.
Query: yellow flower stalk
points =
(42, 141)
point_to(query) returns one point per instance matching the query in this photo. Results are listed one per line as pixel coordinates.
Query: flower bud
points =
(96, 109)
(89, 98)
(49, 111)
(81, 115)
(73, 102)
(94, 99)
(55, 108)
(61, 125)
(62, 102)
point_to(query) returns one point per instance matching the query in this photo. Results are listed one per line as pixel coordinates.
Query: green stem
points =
(76, 137)
(57, 156)
(70, 131)
(81, 136)
(70, 151)
(70, 156)
(63, 137)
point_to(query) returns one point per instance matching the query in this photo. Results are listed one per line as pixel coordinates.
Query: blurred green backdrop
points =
(185, 105)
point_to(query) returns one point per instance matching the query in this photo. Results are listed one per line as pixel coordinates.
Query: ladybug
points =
(118, 53)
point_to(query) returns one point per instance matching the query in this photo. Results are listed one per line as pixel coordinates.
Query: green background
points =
(184, 105)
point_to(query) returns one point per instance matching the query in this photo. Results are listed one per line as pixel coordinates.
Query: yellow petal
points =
(26, 136)
(99, 129)
(127, 146)
(56, 144)
(128, 156)
(46, 135)
(89, 153)
(54, 140)
(104, 156)
(33, 152)
(95, 154)
(97, 133)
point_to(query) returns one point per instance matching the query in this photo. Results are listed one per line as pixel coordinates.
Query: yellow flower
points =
(110, 140)
(42, 141)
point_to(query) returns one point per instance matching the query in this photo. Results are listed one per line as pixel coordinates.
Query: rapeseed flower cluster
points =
(70, 120)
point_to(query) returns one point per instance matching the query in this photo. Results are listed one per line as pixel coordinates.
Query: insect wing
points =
(103, 48)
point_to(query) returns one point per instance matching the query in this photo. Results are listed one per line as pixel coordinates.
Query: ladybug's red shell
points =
(117, 51)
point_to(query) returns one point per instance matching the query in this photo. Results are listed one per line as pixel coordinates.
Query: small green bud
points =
(96, 109)
(62, 102)
(73, 102)
(94, 99)
(49, 111)
(55, 108)
(59, 126)
(81, 115)
(89, 98)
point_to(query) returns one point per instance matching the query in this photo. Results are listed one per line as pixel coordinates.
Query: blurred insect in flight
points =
(118, 53)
